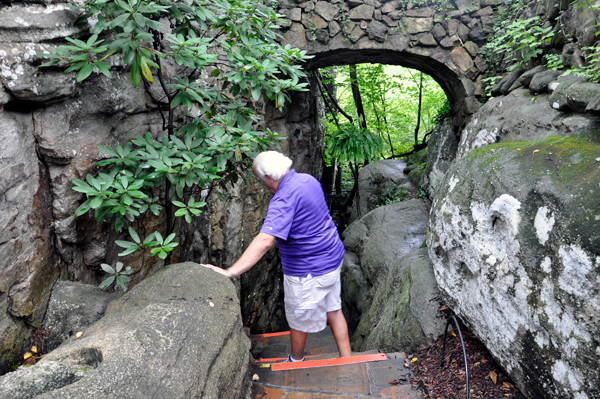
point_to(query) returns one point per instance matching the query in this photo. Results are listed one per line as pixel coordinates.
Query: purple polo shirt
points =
(306, 235)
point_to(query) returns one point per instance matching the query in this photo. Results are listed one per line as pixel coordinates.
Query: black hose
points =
(463, 348)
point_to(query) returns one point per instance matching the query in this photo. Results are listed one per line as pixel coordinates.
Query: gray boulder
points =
(73, 307)
(355, 287)
(372, 244)
(580, 95)
(519, 116)
(560, 89)
(402, 316)
(441, 151)
(525, 79)
(375, 182)
(385, 234)
(29, 382)
(514, 236)
(177, 334)
(508, 85)
(540, 81)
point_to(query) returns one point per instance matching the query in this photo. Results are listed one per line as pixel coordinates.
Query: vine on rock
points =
(210, 127)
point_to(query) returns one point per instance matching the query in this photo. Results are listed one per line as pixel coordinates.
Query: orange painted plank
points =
(340, 361)
(274, 359)
(277, 334)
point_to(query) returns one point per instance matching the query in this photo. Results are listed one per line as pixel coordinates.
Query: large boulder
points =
(441, 151)
(177, 334)
(402, 316)
(514, 236)
(373, 243)
(73, 307)
(376, 182)
(520, 116)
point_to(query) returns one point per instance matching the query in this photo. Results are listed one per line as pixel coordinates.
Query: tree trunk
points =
(419, 113)
(360, 110)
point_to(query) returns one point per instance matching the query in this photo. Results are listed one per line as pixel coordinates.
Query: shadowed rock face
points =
(514, 235)
(51, 127)
(387, 281)
(177, 334)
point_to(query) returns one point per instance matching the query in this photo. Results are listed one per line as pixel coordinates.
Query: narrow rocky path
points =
(360, 380)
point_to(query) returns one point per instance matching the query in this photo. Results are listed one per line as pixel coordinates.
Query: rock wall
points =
(514, 238)
(51, 127)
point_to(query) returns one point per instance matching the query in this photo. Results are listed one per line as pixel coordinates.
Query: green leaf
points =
(83, 208)
(181, 212)
(135, 74)
(96, 202)
(169, 238)
(134, 235)
(119, 20)
(178, 99)
(103, 67)
(49, 63)
(128, 251)
(125, 244)
(107, 268)
(149, 238)
(139, 19)
(76, 66)
(256, 93)
(158, 237)
(107, 283)
(146, 71)
(118, 224)
(122, 282)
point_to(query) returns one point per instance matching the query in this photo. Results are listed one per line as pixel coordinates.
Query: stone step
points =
(359, 380)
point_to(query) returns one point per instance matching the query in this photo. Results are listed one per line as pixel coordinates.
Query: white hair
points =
(271, 163)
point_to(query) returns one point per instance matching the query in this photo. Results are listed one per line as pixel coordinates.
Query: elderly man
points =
(311, 252)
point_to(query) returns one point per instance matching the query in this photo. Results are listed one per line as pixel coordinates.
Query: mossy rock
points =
(416, 176)
(410, 168)
(418, 157)
(514, 235)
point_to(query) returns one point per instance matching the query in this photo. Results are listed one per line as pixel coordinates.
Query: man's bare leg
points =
(298, 339)
(339, 328)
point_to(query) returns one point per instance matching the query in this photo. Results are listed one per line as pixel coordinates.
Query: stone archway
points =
(440, 38)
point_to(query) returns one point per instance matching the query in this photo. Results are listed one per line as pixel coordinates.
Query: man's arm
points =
(258, 247)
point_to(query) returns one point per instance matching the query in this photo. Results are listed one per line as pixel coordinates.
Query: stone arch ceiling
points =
(440, 40)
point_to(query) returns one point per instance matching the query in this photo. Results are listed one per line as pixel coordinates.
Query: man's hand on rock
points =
(216, 269)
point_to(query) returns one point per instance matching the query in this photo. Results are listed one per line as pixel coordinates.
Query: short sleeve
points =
(280, 216)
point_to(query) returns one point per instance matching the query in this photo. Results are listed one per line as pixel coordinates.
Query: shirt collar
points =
(286, 178)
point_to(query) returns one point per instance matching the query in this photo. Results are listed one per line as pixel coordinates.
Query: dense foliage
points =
(391, 101)
(210, 126)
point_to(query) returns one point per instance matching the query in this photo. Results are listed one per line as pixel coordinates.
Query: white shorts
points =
(308, 299)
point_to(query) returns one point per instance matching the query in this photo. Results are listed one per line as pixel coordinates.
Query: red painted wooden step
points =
(340, 361)
(277, 334)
